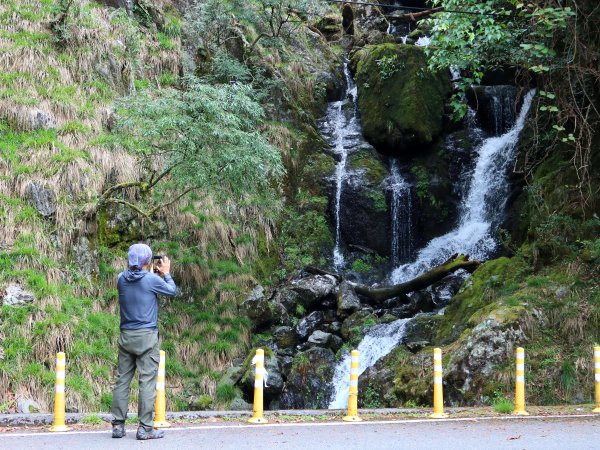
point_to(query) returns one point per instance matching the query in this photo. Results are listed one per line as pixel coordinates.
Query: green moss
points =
(478, 297)
(400, 100)
(368, 160)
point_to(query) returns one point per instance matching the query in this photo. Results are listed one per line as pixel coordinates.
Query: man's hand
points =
(163, 266)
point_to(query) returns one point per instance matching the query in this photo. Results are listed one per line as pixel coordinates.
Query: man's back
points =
(137, 297)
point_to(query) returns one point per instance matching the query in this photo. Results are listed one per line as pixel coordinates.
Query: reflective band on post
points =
(353, 383)
(437, 356)
(597, 365)
(520, 366)
(60, 388)
(354, 359)
(60, 375)
(437, 380)
(596, 354)
(258, 383)
(521, 354)
(354, 371)
(597, 377)
(160, 385)
(521, 378)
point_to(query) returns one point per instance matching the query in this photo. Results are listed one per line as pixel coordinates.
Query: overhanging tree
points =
(203, 138)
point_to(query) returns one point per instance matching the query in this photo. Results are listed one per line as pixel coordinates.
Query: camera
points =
(158, 259)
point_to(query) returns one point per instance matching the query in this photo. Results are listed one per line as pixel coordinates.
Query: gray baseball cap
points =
(139, 255)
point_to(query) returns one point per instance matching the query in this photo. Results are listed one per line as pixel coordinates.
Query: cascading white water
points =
(482, 209)
(378, 342)
(342, 130)
(401, 210)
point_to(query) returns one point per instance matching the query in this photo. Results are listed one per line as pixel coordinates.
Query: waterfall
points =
(401, 207)
(482, 209)
(378, 342)
(341, 128)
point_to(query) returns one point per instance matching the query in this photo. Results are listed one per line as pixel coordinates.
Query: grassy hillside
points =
(62, 70)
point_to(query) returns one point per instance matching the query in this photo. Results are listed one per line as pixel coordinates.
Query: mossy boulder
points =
(401, 101)
(479, 291)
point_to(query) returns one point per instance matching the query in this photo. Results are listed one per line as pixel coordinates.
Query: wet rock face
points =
(308, 384)
(364, 215)
(322, 339)
(489, 344)
(496, 106)
(15, 295)
(43, 199)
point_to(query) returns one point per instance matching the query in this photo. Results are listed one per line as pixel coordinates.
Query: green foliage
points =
(207, 137)
(92, 419)
(500, 33)
(388, 66)
(502, 404)
(226, 393)
(361, 266)
(64, 11)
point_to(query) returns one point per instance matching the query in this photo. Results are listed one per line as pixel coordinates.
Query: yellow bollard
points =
(259, 360)
(597, 379)
(59, 395)
(438, 395)
(520, 384)
(353, 391)
(160, 405)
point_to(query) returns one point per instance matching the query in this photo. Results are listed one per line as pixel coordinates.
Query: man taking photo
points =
(138, 341)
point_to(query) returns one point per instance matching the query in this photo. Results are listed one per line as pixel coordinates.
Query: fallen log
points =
(430, 277)
(412, 17)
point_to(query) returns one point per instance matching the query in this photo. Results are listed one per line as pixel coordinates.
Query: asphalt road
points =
(525, 433)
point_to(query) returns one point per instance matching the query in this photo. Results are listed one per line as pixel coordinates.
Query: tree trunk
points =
(455, 263)
(412, 17)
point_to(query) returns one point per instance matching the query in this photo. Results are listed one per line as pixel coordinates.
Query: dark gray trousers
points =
(137, 348)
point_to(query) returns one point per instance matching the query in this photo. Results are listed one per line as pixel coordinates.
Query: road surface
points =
(457, 434)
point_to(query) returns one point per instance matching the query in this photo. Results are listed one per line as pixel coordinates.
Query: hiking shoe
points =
(118, 430)
(143, 435)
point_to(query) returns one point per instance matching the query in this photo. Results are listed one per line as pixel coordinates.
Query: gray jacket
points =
(137, 297)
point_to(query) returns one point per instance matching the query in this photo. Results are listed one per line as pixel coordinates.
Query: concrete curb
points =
(44, 419)
(39, 419)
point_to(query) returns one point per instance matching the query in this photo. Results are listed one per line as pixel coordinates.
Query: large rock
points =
(347, 300)
(309, 382)
(39, 119)
(42, 198)
(262, 310)
(27, 406)
(288, 298)
(273, 379)
(15, 295)
(285, 337)
(489, 345)
(309, 324)
(322, 339)
(312, 290)
(400, 100)
(84, 256)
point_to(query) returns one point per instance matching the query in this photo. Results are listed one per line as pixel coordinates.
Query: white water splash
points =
(378, 342)
(482, 209)
(423, 41)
